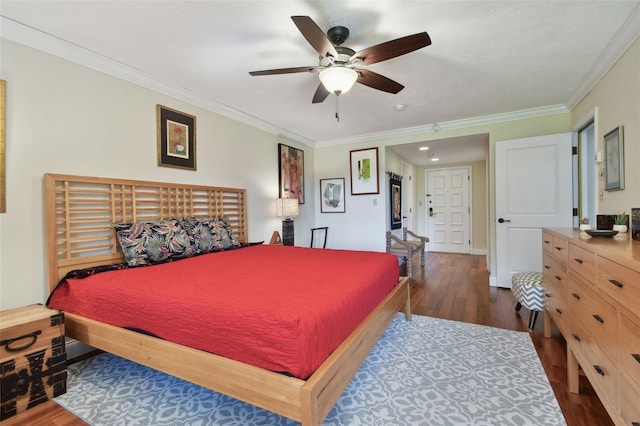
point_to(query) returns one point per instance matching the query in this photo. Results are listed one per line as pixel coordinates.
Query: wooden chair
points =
(407, 248)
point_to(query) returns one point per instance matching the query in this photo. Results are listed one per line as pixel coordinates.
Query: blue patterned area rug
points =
(424, 372)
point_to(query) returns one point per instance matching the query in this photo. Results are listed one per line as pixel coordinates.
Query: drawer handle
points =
(547, 267)
(576, 295)
(635, 423)
(32, 339)
(547, 294)
(598, 318)
(558, 278)
(576, 337)
(636, 357)
(546, 241)
(558, 248)
(559, 311)
(598, 370)
(616, 283)
(579, 261)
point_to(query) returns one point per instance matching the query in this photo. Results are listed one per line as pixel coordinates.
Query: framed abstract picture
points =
(364, 171)
(176, 138)
(291, 172)
(395, 193)
(614, 159)
(332, 195)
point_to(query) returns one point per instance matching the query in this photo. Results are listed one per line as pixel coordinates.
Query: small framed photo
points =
(614, 159)
(176, 138)
(291, 174)
(364, 171)
(332, 195)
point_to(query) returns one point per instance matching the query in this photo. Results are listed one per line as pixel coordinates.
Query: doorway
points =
(449, 209)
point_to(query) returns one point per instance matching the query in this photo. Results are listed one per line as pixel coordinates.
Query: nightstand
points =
(33, 361)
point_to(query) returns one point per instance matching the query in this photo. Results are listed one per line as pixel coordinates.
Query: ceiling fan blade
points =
(377, 81)
(315, 36)
(285, 70)
(320, 95)
(391, 49)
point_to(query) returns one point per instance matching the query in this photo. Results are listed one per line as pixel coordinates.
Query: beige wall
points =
(616, 98)
(66, 118)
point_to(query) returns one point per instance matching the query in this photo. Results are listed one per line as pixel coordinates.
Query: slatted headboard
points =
(80, 212)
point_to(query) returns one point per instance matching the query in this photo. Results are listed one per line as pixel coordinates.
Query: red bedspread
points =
(277, 307)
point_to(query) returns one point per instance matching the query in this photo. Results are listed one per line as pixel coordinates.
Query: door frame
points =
(469, 169)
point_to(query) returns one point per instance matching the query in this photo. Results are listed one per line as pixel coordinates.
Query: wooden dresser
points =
(592, 295)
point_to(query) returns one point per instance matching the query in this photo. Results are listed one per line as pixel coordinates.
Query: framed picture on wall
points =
(364, 171)
(395, 194)
(614, 160)
(332, 195)
(176, 138)
(291, 174)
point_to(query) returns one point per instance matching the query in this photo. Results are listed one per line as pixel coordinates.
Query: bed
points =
(79, 217)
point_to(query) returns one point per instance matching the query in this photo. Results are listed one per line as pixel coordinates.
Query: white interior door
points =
(533, 190)
(448, 210)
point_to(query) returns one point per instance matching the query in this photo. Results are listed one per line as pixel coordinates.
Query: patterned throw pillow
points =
(148, 243)
(210, 234)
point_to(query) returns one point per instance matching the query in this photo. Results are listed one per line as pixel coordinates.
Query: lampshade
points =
(338, 79)
(287, 207)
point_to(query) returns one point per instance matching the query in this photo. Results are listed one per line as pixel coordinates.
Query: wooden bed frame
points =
(79, 216)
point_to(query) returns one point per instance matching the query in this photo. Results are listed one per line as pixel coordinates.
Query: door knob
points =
(501, 220)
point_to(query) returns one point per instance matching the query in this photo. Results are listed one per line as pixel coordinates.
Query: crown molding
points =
(621, 42)
(36, 39)
(449, 125)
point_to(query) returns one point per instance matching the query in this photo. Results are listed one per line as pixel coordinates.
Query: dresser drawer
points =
(583, 262)
(597, 316)
(560, 251)
(619, 282)
(629, 407)
(629, 356)
(547, 242)
(32, 358)
(555, 302)
(602, 373)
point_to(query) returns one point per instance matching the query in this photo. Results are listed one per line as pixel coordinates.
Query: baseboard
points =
(479, 251)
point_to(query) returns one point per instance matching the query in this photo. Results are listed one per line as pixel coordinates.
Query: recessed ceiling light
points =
(423, 148)
(435, 159)
(400, 107)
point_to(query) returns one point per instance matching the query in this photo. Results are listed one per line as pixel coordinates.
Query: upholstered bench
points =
(407, 248)
(527, 289)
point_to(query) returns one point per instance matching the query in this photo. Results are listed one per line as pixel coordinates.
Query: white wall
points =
(65, 118)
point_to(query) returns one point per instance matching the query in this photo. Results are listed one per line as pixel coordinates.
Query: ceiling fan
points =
(340, 67)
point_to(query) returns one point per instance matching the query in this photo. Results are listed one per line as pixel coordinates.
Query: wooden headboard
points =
(80, 212)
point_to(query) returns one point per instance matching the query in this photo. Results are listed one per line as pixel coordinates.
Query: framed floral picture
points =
(364, 171)
(332, 195)
(291, 174)
(176, 138)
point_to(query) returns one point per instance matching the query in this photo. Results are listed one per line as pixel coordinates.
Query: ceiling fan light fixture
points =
(338, 79)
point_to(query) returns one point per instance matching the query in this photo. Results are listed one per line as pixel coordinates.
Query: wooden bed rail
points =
(80, 212)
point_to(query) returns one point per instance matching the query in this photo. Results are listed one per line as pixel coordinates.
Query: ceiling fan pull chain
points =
(337, 108)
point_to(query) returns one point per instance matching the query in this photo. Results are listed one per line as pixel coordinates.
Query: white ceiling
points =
(488, 58)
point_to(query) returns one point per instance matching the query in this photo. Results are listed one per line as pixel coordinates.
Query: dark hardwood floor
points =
(454, 287)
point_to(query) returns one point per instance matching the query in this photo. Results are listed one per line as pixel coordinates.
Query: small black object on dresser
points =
(635, 223)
